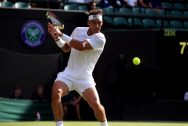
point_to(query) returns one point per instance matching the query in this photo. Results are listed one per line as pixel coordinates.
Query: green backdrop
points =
(25, 110)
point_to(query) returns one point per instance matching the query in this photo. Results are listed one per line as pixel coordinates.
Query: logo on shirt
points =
(32, 33)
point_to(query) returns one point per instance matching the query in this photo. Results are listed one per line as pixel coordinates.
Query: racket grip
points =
(60, 43)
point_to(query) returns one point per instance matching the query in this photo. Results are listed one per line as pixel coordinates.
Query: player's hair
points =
(96, 11)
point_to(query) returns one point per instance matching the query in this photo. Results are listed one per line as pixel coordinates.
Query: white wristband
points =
(66, 38)
(60, 43)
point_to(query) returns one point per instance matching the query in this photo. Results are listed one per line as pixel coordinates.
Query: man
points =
(86, 44)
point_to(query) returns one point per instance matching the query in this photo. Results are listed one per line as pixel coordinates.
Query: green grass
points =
(90, 123)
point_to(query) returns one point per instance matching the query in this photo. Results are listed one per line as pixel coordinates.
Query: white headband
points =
(92, 17)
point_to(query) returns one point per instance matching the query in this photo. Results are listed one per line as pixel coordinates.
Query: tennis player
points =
(86, 45)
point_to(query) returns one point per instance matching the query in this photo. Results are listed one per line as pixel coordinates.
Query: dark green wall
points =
(26, 66)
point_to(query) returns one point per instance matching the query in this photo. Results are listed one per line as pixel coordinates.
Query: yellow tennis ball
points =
(136, 61)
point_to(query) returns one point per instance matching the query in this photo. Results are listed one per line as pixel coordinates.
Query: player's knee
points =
(56, 96)
(97, 106)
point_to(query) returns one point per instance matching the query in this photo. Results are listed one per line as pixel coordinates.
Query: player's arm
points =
(55, 33)
(63, 45)
(94, 42)
(66, 48)
(62, 38)
(73, 43)
(80, 45)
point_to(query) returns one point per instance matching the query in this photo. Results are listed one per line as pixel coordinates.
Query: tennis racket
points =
(55, 20)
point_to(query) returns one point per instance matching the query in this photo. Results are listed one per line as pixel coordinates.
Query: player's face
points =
(95, 24)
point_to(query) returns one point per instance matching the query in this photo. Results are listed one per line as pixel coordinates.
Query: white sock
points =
(105, 123)
(59, 123)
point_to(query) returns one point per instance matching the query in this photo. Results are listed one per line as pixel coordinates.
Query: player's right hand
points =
(54, 32)
(54, 29)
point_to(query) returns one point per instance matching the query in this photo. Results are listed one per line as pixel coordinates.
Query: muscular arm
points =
(80, 45)
(66, 48)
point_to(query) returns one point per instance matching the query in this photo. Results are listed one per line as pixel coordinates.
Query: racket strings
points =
(54, 20)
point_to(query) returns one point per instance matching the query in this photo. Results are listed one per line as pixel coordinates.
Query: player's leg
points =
(59, 90)
(92, 98)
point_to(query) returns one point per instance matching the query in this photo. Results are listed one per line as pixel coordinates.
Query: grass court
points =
(92, 123)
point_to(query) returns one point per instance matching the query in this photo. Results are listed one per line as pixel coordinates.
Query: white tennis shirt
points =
(81, 63)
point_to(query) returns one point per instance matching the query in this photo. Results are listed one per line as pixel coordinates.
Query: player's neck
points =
(92, 31)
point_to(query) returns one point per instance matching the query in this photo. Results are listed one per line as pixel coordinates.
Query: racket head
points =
(55, 20)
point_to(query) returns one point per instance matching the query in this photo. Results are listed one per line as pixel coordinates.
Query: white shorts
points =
(79, 85)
